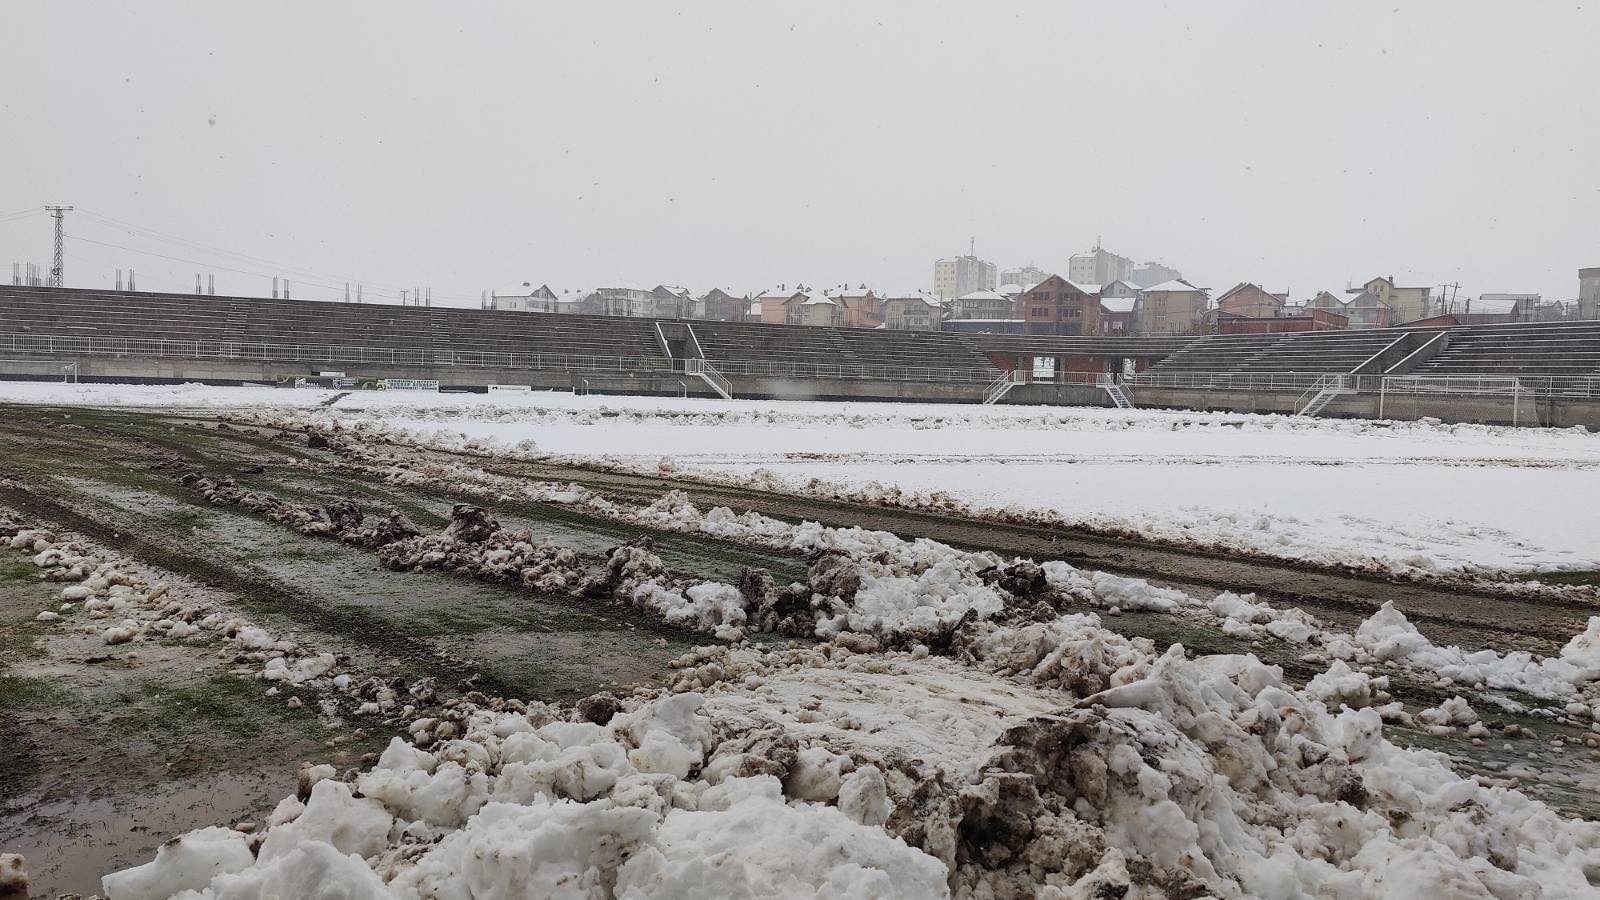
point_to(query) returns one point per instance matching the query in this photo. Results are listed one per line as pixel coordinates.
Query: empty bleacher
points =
(1314, 352)
(1526, 350)
(430, 335)
(268, 328)
(754, 348)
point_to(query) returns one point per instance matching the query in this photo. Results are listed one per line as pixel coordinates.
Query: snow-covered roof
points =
(984, 295)
(1010, 288)
(518, 291)
(622, 286)
(1173, 285)
(988, 320)
(1087, 288)
(1118, 304)
(729, 291)
(924, 298)
(778, 293)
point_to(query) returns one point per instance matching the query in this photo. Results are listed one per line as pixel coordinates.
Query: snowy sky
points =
(469, 146)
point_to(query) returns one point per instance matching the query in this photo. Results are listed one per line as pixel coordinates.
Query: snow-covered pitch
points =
(1405, 497)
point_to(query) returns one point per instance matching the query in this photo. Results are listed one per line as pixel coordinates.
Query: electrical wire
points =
(307, 276)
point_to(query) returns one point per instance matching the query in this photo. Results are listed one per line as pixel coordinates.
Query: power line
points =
(282, 267)
(196, 262)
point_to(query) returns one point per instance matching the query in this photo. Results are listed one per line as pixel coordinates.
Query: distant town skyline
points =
(740, 146)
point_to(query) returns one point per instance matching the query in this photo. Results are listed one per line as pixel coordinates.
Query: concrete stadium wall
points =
(1492, 410)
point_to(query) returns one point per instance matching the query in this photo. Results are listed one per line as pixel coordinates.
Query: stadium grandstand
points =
(1545, 373)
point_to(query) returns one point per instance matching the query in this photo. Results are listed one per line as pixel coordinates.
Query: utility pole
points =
(274, 287)
(130, 280)
(358, 293)
(119, 279)
(211, 285)
(197, 290)
(347, 292)
(16, 274)
(58, 213)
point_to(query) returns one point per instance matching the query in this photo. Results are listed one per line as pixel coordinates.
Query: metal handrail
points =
(345, 353)
(1578, 386)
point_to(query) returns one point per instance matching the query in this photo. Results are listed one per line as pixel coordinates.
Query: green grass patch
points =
(18, 568)
(1575, 579)
(228, 706)
(28, 692)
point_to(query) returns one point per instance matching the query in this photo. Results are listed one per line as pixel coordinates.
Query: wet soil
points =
(100, 760)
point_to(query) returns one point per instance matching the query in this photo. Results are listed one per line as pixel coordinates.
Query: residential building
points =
(1589, 293)
(1116, 314)
(913, 311)
(620, 299)
(723, 305)
(1364, 310)
(672, 302)
(859, 307)
(1150, 274)
(813, 308)
(1098, 266)
(1172, 307)
(1246, 299)
(1057, 306)
(1118, 290)
(963, 275)
(983, 305)
(526, 298)
(773, 304)
(1305, 319)
(1027, 276)
(1408, 303)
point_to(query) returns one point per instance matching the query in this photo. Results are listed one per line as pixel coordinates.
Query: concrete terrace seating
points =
(333, 331)
(755, 348)
(1523, 349)
(308, 324)
(1531, 349)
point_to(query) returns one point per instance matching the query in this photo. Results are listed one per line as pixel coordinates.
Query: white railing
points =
(1317, 397)
(323, 353)
(709, 374)
(348, 354)
(783, 369)
(1001, 386)
(1576, 386)
(1114, 389)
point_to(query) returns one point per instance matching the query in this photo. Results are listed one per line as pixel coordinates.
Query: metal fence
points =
(321, 354)
(1577, 386)
(778, 368)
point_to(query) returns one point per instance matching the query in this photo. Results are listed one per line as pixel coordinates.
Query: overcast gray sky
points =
(475, 145)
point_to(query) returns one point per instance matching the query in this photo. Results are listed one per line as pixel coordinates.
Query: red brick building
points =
(1057, 306)
(1312, 319)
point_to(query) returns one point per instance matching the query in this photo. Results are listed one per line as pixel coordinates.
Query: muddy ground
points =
(106, 751)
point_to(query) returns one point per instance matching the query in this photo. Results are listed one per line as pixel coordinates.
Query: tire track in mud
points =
(1483, 616)
(369, 631)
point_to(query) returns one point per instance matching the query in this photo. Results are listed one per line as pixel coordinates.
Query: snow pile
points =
(533, 803)
(1056, 757)
(475, 545)
(1388, 637)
